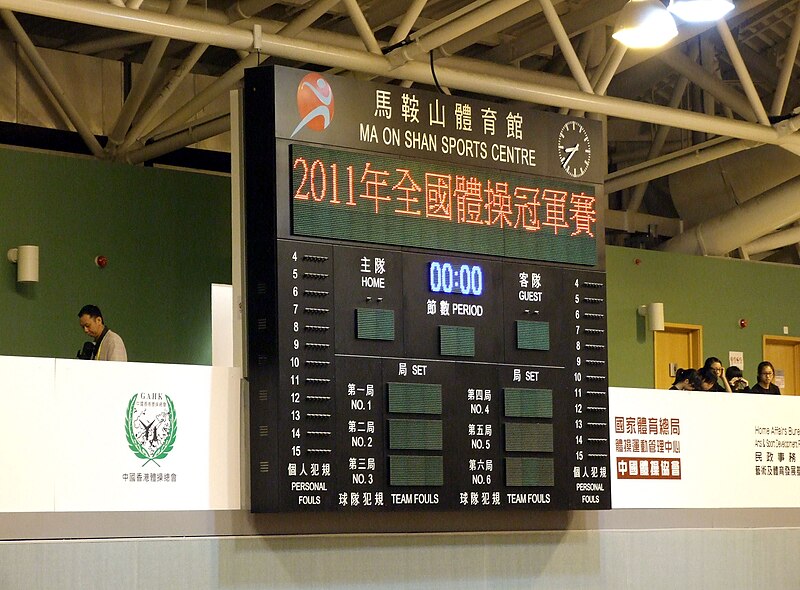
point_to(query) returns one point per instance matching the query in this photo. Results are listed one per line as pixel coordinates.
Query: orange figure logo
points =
(314, 103)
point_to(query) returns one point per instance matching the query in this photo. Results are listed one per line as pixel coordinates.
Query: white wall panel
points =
(574, 560)
(26, 458)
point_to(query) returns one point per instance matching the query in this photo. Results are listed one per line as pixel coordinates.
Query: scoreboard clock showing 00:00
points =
(464, 279)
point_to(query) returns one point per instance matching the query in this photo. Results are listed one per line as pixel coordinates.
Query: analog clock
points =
(574, 150)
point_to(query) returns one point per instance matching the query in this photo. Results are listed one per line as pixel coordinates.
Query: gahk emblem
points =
(314, 103)
(151, 425)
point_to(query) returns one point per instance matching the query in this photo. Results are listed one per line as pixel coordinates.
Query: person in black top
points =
(766, 373)
(715, 365)
(736, 380)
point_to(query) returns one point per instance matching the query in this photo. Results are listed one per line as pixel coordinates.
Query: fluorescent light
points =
(644, 23)
(700, 11)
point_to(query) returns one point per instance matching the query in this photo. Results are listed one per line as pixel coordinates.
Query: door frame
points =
(695, 344)
(769, 339)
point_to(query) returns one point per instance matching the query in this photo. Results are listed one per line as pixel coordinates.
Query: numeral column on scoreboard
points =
(589, 375)
(307, 400)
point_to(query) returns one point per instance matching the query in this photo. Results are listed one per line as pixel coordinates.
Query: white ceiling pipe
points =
(180, 140)
(567, 50)
(246, 8)
(710, 63)
(141, 85)
(124, 19)
(189, 125)
(675, 59)
(224, 83)
(362, 26)
(741, 225)
(601, 84)
(407, 22)
(441, 35)
(603, 76)
(197, 11)
(474, 66)
(774, 241)
(708, 151)
(788, 64)
(206, 96)
(305, 51)
(95, 46)
(307, 18)
(630, 155)
(630, 222)
(741, 70)
(138, 128)
(659, 140)
(538, 38)
(586, 43)
(47, 76)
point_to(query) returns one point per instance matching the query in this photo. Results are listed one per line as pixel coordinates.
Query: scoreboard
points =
(426, 324)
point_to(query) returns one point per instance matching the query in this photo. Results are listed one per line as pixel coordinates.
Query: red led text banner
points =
(391, 200)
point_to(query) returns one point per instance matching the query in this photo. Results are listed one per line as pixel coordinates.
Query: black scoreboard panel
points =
(390, 375)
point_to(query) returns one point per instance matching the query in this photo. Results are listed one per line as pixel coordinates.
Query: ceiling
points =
(701, 133)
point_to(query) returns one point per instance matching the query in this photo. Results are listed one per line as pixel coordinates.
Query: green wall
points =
(167, 238)
(713, 292)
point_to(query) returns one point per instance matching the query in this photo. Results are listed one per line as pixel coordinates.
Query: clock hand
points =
(571, 152)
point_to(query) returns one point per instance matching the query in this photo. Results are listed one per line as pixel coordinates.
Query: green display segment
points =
(393, 200)
(375, 324)
(528, 403)
(414, 470)
(415, 435)
(415, 398)
(533, 335)
(529, 471)
(529, 438)
(457, 340)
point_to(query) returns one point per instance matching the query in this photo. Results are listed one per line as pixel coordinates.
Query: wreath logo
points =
(151, 426)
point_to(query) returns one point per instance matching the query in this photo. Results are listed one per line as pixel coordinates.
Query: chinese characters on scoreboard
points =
(437, 115)
(448, 197)
(652, 446)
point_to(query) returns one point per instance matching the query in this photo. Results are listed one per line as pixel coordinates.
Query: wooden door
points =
(784, 354)
(678, 346)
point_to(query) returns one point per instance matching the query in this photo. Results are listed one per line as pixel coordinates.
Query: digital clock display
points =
(463, 279)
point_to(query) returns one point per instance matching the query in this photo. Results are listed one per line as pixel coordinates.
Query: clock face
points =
(574, 150)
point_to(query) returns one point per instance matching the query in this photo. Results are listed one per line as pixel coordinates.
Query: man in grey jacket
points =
(108, 346)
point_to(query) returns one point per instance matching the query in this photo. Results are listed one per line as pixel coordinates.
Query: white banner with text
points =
(92, 436)
(691, 449)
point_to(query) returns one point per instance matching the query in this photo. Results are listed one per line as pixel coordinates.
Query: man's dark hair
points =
(711, 360)
(91, 310)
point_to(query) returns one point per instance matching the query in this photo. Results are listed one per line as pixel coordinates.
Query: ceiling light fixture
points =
(700, 11)
(644, 23)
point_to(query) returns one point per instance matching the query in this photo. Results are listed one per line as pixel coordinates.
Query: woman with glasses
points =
(714, 364)
(766, 373)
